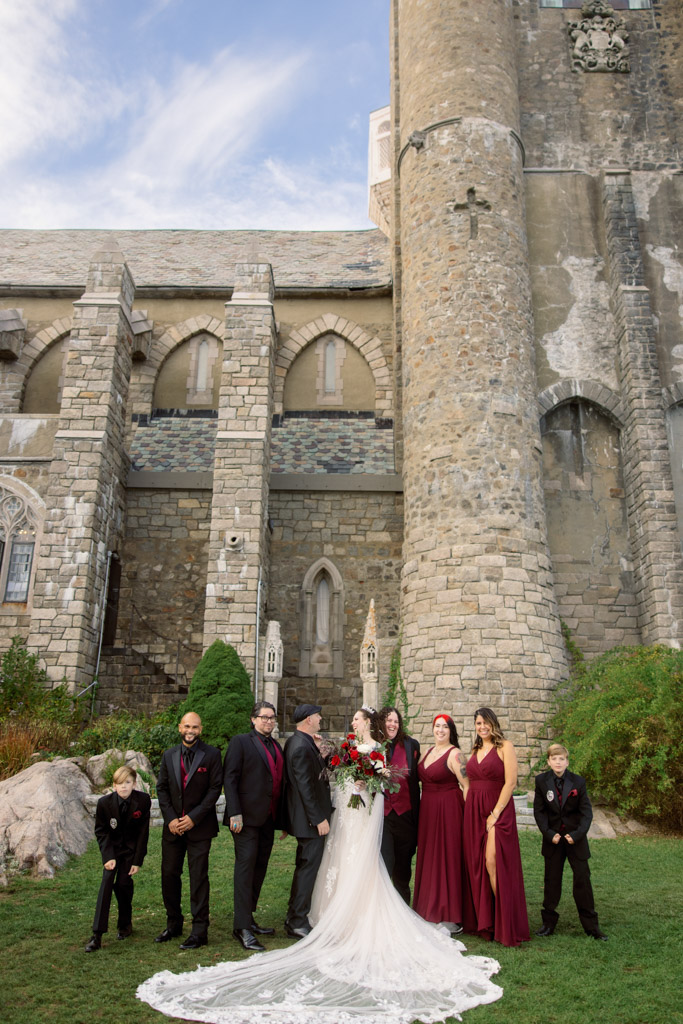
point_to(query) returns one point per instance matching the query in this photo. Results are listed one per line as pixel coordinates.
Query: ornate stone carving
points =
(369, 669)
(272, 661)
(599, 39)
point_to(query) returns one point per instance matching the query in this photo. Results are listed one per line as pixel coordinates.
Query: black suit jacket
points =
(202, 789)
(307, 787)
(573, 818)
(248, 781)
(123, 835)
(412, 749)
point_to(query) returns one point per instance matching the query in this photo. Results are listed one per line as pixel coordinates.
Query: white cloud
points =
(186, 152)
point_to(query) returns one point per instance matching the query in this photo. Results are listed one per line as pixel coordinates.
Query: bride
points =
(369, 957)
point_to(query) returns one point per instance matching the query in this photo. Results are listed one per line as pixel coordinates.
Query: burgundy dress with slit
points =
(439, 875)
(504, 919)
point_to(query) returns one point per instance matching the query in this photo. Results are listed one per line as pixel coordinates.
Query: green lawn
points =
(568, 979)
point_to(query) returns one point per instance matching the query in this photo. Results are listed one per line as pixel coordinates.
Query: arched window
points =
(330, 367)
(322, 621)
(202, 365)
(19, 530)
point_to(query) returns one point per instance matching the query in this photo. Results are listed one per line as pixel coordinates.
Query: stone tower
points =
(480, 624)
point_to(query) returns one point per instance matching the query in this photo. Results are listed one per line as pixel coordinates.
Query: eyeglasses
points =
(267, 718)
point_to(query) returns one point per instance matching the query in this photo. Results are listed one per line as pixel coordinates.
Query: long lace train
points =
(369, 957)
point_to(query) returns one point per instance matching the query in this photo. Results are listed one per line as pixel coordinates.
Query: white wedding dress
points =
(368, 960)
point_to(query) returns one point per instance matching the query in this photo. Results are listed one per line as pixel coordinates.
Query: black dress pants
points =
(173, 850)
(252, 852)
(120, 883)
(309, 853)
(399, 842)
(582, 888)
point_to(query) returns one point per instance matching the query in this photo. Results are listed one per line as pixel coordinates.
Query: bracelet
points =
(494, 815)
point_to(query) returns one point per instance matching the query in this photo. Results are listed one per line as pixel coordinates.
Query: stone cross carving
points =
(599, 39)
(474, 206)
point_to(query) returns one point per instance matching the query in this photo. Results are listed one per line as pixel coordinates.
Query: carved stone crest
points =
(599, 39)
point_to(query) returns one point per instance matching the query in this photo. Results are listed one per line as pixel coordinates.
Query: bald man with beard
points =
(190, 782)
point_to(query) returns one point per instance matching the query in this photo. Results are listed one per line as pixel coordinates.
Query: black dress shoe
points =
(95, 942)
(258, 930)
(125, 933)
(545, 931)
(597, 934)
(246, 937)
(297, 933)
(194, 941)
(167, 935)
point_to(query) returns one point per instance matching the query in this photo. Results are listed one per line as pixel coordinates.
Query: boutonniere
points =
(201, 769)
(137, 814)
(574, 792)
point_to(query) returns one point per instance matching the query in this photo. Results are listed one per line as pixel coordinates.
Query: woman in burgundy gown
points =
(439, 875)
(494, 864)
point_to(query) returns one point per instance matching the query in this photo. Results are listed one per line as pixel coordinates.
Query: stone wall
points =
(164, 559)
(362, 535)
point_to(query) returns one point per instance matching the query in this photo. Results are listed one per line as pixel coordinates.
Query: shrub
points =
(621, 717)
(26, 689)
(20, 738)
(149, 735)
(396, 694)
(220, 693)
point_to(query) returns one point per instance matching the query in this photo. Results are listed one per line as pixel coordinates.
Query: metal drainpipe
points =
(258, 619)
(110, 555)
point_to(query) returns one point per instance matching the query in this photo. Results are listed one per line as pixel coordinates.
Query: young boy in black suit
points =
(563, 813)
(122, 830)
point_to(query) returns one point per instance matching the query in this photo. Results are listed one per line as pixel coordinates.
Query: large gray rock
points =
(98, 766)
(43, 818)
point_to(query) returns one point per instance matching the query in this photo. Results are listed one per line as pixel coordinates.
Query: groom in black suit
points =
(189, 784)
(309, 809)
(253, 779)
(563, 813)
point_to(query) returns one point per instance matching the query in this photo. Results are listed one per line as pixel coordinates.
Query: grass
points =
(568, 979)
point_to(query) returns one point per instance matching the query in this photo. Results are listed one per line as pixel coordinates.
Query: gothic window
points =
(18, 539)
(203, 352)
(331, 355)
(617, 5)
(322, 621)
(330, 367)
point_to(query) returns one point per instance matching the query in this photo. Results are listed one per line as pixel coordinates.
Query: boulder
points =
(97, 768)
(43, 819)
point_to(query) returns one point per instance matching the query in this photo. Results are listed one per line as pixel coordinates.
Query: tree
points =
(220, 693)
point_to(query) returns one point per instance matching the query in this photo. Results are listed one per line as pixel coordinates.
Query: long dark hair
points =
(496, 732)
(376, 726)
(453, 732)
(400, 735)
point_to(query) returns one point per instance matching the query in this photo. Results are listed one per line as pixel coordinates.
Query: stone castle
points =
(472, 415)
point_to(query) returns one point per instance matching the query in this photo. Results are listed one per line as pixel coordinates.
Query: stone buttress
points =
(238, 547)
(86, 491)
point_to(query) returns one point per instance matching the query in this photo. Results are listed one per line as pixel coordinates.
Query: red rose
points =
(137, 814)
(369, 771)
(574, 792)
(350, 735)
(345, 746)
(334, 761)
(375, 755)
(354, 755)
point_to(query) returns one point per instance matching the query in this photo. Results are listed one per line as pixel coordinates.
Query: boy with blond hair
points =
(563, 813)
(122, 830)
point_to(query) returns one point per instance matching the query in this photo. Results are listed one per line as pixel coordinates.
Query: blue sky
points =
(189, 113)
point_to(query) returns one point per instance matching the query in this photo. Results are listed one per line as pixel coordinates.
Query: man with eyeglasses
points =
(252, 777)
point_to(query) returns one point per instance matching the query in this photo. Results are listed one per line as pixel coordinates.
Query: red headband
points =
(446, 718)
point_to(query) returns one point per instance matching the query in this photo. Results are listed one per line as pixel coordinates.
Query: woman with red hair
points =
(439, 879)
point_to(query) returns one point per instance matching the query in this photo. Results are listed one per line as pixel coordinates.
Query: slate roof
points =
(300, 259)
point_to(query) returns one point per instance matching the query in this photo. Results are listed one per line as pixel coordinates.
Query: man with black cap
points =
(309, 808)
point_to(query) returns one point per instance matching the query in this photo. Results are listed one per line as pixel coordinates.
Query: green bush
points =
(220, 693)
(26, 689)
(621, 717)
(149, 735)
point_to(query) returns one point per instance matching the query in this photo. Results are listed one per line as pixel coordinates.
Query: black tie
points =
(188, 758)
(123, 806)
(558, 786)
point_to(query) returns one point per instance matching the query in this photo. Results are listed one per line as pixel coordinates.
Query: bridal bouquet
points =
(365, 765)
